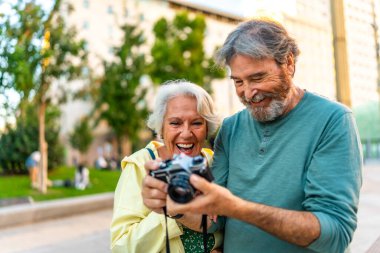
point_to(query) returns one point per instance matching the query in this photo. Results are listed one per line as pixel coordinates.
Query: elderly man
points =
(288, 168)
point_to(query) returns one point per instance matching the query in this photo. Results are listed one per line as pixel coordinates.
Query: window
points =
(86, 4)
(110, 9)
(110, 31)
(86, 25)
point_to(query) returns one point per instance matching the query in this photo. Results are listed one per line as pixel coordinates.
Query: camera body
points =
(177, 171)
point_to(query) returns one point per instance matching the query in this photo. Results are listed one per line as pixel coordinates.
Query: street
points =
(89, 232)
(368, 230)
(84, 233)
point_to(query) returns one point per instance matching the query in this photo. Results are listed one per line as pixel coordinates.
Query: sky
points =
(246, 8)
(234, 7)
(12, 96)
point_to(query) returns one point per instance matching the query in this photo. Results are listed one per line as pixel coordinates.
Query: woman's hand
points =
(154, 191)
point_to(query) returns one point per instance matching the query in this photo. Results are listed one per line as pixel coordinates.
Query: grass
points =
(19, 186)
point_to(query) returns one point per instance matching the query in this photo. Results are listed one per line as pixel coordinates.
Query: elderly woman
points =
(183, 117)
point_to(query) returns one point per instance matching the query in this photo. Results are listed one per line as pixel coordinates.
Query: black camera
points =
(176, 172)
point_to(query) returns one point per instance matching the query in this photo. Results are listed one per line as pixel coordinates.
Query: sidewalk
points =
(35, 212)
(82, 233)
(77, 225)
(368, 230)
(89, 231)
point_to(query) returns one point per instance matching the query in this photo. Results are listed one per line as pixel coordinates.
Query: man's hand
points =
(212, 200)
(297, 227)
(154, 191)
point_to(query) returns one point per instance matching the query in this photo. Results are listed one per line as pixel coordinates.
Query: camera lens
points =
(180, 189)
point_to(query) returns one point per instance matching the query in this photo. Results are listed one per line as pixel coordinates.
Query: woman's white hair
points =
(171, 89)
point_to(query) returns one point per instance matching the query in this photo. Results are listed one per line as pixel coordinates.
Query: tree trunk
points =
(119, 147)
(43, 149)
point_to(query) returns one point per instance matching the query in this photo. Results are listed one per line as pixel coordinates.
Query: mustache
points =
(258, 97)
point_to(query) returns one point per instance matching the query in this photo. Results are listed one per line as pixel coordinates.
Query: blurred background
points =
(78, 78)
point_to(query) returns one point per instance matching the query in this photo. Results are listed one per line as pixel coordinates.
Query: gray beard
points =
(270, 113)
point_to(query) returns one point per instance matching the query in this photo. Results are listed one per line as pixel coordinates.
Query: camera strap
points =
(166, 228)
(151, 153)
(204, 232)
(203, 223)
(203, 226)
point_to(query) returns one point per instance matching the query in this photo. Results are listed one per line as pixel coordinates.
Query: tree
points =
(119, 97)
(178, 51)
(37, 50)
(81, 137)
(368, 120)
(21, 140)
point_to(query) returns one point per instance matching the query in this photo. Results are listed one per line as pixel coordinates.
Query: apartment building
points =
(308, 21)
(98, 22)
(361, 51)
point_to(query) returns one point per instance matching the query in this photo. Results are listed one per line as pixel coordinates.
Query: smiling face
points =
(262, 86)
(184, 130)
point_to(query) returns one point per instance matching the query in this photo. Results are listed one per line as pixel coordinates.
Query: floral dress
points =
(193, 241)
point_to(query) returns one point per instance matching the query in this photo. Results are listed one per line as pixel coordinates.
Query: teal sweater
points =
(308, 160)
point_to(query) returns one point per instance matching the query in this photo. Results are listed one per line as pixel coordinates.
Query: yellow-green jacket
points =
(134, 227)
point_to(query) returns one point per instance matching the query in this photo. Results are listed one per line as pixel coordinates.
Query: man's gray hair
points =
(259, 39)
(171, 89)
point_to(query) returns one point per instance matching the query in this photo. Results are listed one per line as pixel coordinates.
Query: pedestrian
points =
(32, 164)
(82, 177)
(183, 116)
(287, 168)
(101, 163)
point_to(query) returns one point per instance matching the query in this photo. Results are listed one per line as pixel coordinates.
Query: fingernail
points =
(194, 177)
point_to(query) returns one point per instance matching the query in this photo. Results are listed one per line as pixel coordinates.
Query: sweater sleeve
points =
(333, 182)
(220, 164)
(220, 171)
(134, 228)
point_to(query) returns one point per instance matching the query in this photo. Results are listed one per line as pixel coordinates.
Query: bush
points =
(20, 141)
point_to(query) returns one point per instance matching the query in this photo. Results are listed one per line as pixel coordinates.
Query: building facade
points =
(308, 21)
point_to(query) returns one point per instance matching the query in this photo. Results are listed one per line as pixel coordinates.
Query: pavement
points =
(75, 234)
(368, 230)
(86, 231)
(30, 213)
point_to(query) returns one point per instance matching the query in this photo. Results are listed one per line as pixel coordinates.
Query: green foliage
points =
(81, 137)
(19, 186)
(368, 121)
(17, 45)
(119, 96)
(37, 49)
(21, 140)
(178, 51)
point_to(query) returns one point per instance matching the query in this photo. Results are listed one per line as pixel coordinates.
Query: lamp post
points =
(377, 45)
(342, 77)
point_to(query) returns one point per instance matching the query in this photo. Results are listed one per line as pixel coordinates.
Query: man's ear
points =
(290, 65)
